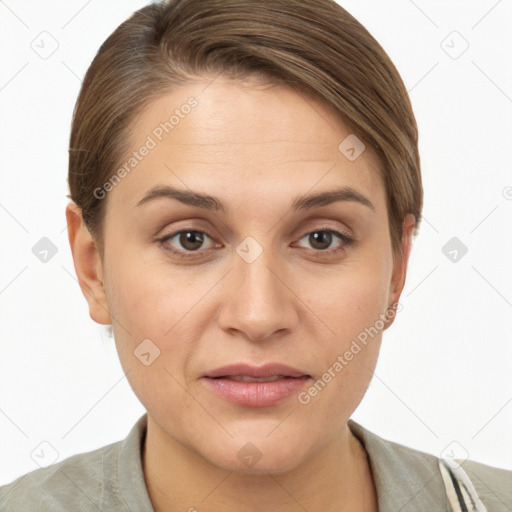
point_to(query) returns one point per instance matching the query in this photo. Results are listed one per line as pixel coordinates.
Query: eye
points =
(321, 240)
(187, 240)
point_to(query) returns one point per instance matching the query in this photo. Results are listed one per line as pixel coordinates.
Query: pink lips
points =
(255, 386)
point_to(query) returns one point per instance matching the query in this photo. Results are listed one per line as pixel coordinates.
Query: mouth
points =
(253, 386)
(269, 370)
(247, 378)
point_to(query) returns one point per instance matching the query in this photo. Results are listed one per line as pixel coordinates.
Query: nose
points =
(258, 301)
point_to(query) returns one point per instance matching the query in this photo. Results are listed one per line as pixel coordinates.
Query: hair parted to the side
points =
(314, 46)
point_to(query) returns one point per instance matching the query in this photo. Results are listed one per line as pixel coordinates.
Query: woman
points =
(245, 186)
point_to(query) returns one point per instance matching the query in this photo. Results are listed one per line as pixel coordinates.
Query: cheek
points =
(157, 312)
(144, 298)
(151, 336)
(351, 304)
(351, 308)
(353, 298)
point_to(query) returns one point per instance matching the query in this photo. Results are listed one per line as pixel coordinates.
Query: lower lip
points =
(256, 394)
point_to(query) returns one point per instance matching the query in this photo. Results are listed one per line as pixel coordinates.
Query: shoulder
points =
(410, 479)
(108, 478)
(493, 485)
(75, 483)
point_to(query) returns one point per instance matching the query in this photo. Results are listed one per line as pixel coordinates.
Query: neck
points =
(336, 479)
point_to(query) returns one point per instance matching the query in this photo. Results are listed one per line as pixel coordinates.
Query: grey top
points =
(111, 479)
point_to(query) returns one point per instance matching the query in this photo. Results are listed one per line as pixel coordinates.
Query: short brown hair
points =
(314, 46)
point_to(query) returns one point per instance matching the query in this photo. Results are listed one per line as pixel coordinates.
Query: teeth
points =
(245, 378)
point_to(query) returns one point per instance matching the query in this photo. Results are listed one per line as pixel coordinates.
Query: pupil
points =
(191, 239)
(322, 237)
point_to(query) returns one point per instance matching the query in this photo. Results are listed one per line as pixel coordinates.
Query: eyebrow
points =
(207, 202)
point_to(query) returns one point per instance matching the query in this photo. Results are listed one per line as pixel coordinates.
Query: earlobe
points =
(88, 265)
(401, 261)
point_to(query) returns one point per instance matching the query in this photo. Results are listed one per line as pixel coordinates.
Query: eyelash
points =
(343, 237)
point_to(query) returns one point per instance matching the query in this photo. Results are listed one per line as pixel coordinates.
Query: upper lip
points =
(267, 370)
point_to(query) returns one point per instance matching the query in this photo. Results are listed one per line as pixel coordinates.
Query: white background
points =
(444, 373)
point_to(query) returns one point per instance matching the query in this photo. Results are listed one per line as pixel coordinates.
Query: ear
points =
(88, 265)
(400, 263)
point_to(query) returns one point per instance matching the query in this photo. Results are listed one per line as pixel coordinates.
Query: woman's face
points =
(261, 278)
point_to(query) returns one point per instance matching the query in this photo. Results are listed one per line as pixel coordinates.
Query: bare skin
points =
(255, 148)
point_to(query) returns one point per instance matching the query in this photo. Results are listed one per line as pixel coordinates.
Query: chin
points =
(259, 457)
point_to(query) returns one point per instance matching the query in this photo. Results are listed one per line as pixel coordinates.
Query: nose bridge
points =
(253, 269)
(258, 303)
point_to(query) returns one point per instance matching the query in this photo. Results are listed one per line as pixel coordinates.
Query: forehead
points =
(251, 138)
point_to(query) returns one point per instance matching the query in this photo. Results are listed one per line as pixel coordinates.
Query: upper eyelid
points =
(323, 227)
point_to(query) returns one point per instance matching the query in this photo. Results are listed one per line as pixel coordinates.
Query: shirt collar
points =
(405, 479)
(130, 475)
